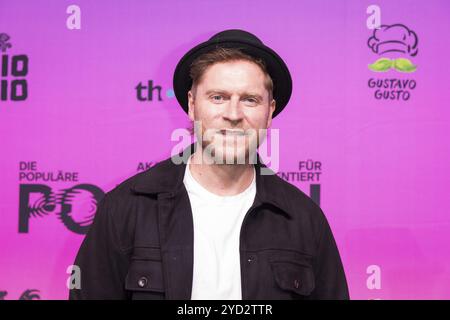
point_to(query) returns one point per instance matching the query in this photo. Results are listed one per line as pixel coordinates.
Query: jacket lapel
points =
(176, 232)
(175, 222)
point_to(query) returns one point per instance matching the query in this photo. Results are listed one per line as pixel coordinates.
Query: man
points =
(212, 226)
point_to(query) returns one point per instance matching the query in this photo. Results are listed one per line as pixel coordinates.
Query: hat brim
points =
(277, 69)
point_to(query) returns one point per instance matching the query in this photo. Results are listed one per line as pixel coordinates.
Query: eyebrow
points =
(227, 93)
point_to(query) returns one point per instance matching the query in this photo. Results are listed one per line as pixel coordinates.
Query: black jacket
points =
(140, 245)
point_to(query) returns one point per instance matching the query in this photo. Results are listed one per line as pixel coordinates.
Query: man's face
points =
(229, 100)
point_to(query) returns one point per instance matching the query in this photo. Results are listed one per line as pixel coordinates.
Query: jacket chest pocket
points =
(144, 280)
(293, 275)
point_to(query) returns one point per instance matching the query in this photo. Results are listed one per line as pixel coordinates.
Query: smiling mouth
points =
(228, 132)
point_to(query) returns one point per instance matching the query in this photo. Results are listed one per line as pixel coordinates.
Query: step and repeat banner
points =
(86, 101)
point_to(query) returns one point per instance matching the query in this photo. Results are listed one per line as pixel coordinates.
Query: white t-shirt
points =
(217, 226)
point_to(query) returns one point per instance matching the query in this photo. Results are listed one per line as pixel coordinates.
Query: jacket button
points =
(296, 284)
(142, 282)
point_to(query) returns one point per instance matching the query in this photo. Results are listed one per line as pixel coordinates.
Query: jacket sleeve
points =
(330, 280)
(103, 264)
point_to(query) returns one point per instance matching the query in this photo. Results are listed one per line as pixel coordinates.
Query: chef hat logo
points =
(394, 38)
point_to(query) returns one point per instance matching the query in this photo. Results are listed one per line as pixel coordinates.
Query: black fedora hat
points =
(249, 44)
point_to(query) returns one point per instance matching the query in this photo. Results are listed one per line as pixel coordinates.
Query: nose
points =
(233, 111)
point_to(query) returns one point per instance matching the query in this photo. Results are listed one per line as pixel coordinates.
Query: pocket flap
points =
(145, 275)
(295, 277)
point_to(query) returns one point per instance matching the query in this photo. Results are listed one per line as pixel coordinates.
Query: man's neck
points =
(221, 179)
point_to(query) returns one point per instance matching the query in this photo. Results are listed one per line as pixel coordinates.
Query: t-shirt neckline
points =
(213, 196)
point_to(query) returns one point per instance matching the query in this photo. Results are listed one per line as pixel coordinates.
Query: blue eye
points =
(252, 100)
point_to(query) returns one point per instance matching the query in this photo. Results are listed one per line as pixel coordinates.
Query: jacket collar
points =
(167, 177)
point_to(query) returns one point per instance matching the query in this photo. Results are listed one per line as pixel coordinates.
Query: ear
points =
(271, 110)
(191, 105)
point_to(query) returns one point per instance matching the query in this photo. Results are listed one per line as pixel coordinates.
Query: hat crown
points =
(235, 35)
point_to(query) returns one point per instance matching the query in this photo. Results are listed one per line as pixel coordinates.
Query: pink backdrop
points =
(80, 129)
